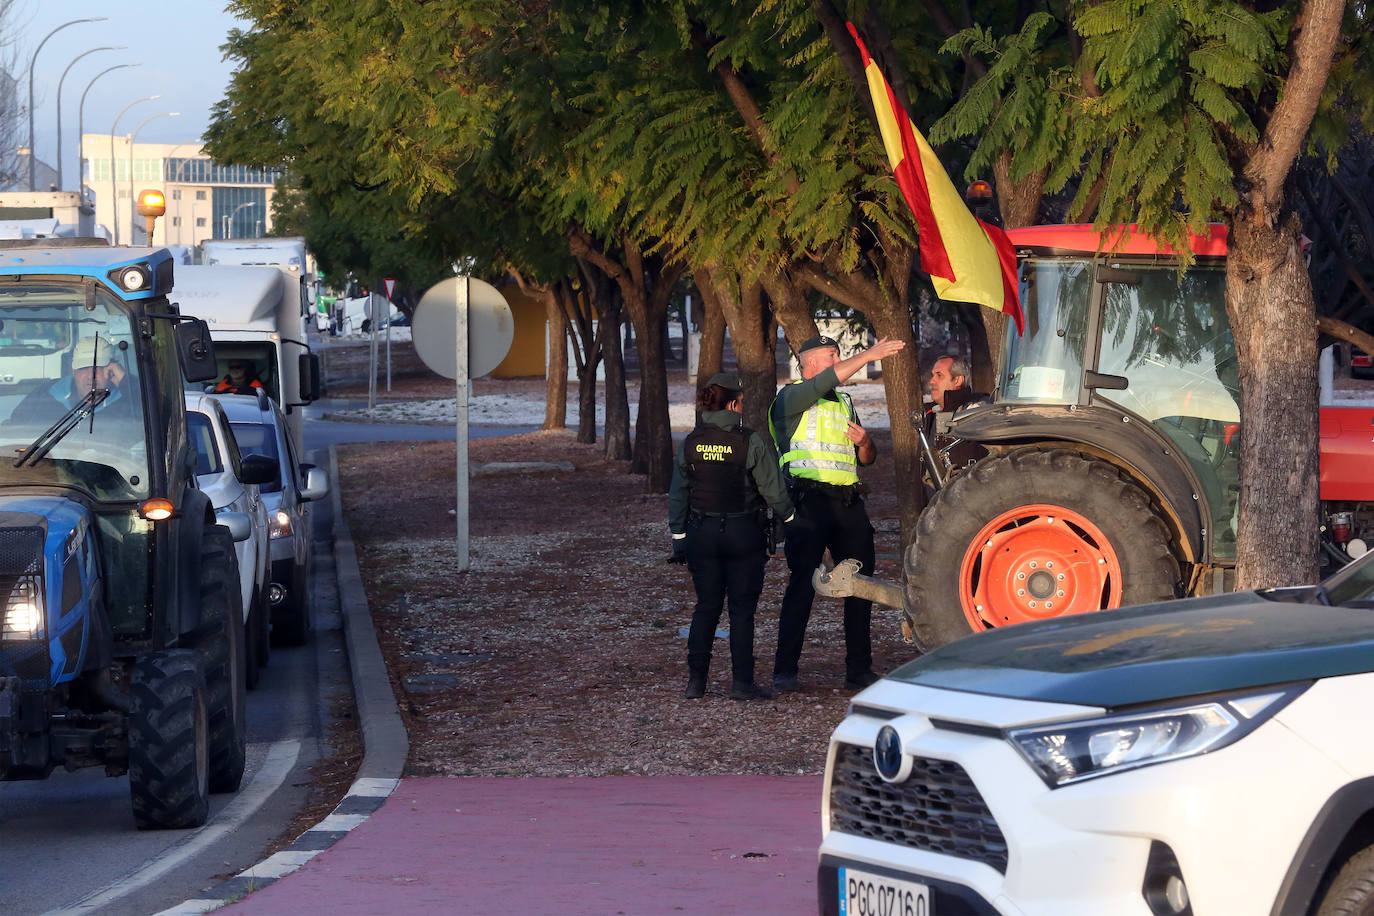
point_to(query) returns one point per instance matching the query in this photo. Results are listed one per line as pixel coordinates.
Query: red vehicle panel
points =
(1347, 453)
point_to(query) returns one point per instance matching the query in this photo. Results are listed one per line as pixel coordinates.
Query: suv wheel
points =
(220, 639)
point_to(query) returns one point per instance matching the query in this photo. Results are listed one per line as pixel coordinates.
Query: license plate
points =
(865, 894)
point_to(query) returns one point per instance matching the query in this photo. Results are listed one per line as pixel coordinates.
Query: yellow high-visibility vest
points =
(819, 449)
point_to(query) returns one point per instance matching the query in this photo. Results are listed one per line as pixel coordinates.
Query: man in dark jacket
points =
(950, 391)
(723, 475)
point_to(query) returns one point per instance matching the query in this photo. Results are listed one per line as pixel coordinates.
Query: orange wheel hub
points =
(1035, 562)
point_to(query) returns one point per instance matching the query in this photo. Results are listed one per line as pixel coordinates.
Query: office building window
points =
(176, 221)
(200, 195)
(200, 222)
(176, 195)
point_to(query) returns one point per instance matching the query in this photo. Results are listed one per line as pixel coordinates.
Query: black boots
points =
(748, 690)
(696, 685)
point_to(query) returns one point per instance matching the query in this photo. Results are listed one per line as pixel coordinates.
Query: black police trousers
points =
(825, 521)
(726, 557)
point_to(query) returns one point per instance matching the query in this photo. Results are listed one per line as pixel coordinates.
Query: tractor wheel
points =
(1029, 535)
(221, 643)
(169, 755)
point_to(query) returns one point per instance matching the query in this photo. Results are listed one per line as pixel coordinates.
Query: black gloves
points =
(679, 551)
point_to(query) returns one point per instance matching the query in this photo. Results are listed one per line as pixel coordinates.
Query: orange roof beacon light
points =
(151, 205)
(978, 191)
(157, 509)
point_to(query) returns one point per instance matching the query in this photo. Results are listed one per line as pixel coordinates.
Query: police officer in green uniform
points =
(821, 446)
(723, 476)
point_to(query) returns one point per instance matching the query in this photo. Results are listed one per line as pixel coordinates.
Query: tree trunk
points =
(984, 370)
(751, 329)
(791, 308)
(1269, 302)
(557, 326)
(712, 330)
(646, 303)
(606, 300)
(556, 372)
(617, 431)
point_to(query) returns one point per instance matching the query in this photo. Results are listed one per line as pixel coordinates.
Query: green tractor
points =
(1111, 477)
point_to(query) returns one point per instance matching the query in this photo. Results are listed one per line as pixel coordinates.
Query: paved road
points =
(69, 845)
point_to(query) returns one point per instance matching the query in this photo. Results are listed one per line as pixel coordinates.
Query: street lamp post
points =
(60, 184)
(229, 220)
(81, 125)
(132, 138)
(114, 186)
(34, 60)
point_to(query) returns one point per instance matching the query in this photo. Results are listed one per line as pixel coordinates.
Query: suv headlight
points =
(1069, 752)
(279, 525)
(23, 611)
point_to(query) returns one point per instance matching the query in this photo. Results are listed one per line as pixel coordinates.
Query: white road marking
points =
(281, 757)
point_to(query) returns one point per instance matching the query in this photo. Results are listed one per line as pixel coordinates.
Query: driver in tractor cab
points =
(950, 391)
(241, 378)
(93, 369)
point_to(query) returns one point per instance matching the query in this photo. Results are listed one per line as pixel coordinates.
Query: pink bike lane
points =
(609, 845)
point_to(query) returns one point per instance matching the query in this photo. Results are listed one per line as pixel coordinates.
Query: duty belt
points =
(845, 493)
(700, 514)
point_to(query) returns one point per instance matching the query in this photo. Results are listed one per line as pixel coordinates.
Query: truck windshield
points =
(1045, 365)
(55, 349)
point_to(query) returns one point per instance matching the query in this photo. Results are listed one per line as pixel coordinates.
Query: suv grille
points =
(937, 808)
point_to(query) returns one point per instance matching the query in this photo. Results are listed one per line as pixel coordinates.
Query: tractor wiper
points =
(47, 441)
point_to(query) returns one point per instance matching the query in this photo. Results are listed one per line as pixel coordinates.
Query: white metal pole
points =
(461, 430)
(372, 351)
(388, 345)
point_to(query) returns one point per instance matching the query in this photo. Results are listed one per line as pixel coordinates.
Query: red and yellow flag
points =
(967, 259)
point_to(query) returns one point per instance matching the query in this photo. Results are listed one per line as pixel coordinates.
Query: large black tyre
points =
(220, 639)
(1352, 890)
(986, 548)
(169, 756)
(291, 623)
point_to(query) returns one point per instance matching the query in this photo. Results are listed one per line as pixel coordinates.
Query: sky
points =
(177, 45)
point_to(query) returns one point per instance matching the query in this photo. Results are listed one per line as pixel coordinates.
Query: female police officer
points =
(723, 475)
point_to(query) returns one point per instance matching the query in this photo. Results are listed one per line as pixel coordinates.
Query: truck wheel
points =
(1029, 535)
(221, 643)
(1352, 891)
(169, 755)
(292, 626)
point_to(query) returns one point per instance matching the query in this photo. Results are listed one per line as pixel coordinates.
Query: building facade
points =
(205, 200)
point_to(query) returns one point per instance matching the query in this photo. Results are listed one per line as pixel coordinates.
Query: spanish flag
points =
(967, 259)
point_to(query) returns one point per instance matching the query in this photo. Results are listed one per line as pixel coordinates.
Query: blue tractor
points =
(118, 590)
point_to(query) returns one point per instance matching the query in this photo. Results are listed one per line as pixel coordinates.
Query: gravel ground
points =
(560, 651)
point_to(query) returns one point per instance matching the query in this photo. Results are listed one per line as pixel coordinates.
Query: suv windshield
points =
(56, 348)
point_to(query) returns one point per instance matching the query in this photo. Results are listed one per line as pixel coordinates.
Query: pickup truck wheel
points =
(169, 756)
(1029, 535)
(220, 639)
(1352, 890)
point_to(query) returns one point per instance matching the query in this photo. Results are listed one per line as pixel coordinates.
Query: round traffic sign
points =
(434, 327)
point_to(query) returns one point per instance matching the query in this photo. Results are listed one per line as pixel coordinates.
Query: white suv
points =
(261, 430)
(1210, 756)
(231, 480)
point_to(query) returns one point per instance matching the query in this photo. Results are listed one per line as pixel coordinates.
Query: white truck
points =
(254, 316)
(286, 253)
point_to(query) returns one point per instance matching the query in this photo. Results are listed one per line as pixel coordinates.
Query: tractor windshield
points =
(1045, 365)
(60, 346)
(1171, 340)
